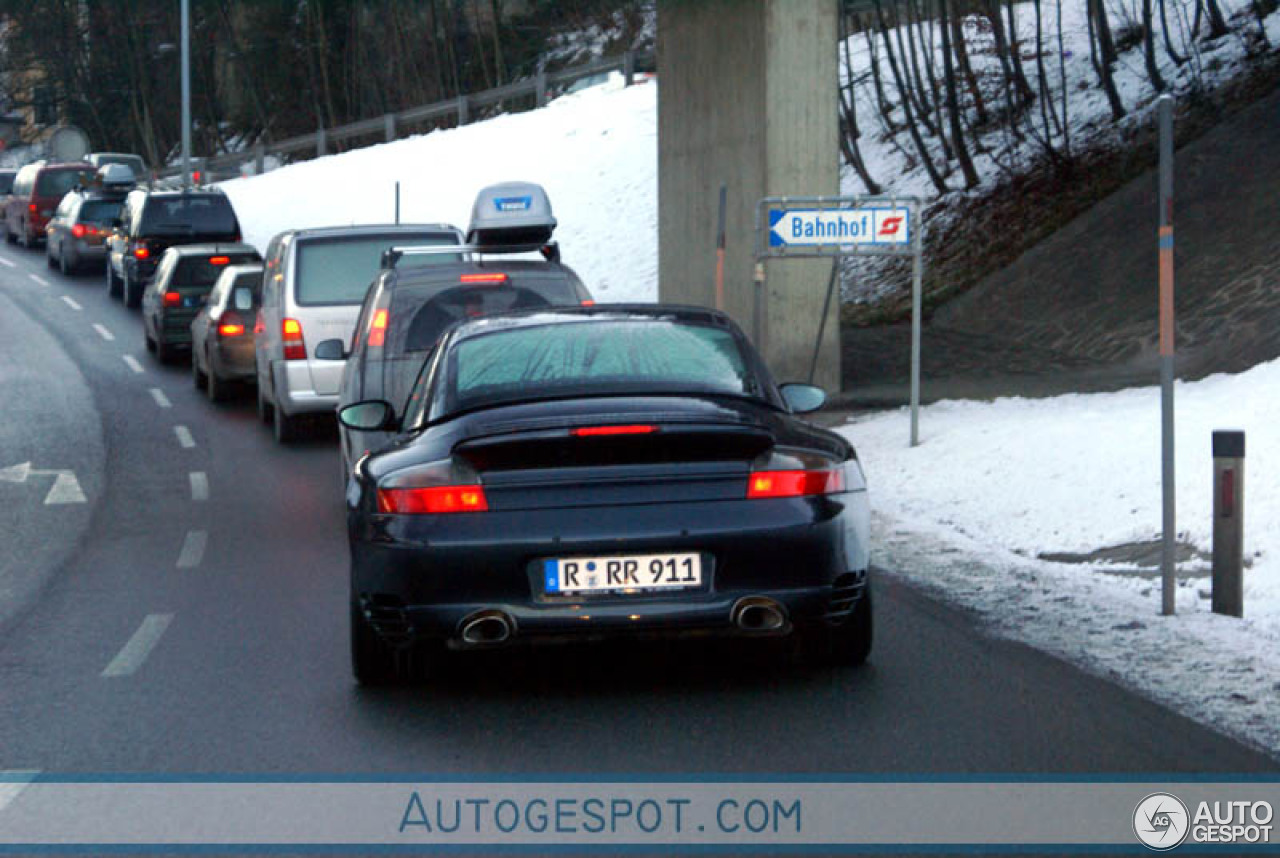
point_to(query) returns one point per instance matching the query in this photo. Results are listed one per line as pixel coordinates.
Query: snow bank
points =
(996, 485)
(594, 151)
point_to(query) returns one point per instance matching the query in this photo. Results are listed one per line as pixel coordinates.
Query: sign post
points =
(1169, 534)
(807, 227)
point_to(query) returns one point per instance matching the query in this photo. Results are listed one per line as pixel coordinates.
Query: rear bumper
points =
(422, 577)
(232, 359)
(295, 391)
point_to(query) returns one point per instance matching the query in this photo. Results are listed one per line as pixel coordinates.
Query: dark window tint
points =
(422, 320)
(55, 183)
(339, 270)
(195, 215)
(595, 357)
(6, 182)
(101, 212)
(198, 271)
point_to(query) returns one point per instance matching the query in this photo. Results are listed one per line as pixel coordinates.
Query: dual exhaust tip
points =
(752, 614)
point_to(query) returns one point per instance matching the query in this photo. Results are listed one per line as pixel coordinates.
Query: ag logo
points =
(1161, 822)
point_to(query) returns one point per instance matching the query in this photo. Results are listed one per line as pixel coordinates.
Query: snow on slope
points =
(995, 485)
(595, 152)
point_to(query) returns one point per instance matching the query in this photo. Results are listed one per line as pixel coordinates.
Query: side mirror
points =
(372, 416)
(331, 350)
(803, 398)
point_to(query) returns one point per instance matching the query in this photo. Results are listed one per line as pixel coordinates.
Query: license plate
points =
(627, 574)
(195, 300)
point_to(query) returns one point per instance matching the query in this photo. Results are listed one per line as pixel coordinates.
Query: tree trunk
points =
(953, 103)
(1217, 24)
(1177, 58)
(930, 168)
(1149, 47)
(1106, 48)
(962, 59)
(1015, 56)
(849, 132)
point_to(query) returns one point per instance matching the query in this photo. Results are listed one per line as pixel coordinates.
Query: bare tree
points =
(953, 102)
(934, 176)
(1100, 31)
(1149, 48)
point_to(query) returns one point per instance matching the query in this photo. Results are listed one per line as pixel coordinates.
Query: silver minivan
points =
(313, 283)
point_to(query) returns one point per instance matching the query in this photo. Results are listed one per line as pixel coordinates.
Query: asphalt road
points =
(237, 580)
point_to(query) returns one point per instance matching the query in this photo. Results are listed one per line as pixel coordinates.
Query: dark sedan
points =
(598, 472)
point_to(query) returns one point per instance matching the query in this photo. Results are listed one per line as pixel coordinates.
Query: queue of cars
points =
(519, 464)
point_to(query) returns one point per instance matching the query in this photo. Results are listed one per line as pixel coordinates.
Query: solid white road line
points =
(193, 549)
(199, 485)
(184, 437)
(13, 782)
(38, 279)
(133, 364)
(103, 332)
(71, 302)
(135, 652)
(158, 395)
(8, 263)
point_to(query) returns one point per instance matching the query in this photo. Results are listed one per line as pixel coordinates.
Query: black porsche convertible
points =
(600, 472)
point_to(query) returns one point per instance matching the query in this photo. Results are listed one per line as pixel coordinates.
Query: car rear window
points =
(419, 317)
(6, 182)
(56, 183)
(101, 212)
(199, 271)
(595, 357)
(339, 270)
(207, 214)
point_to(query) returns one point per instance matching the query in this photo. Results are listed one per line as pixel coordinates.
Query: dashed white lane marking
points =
(66, 489)
(71, 302)
(7, 263)
(38, 279)
(193, 549)
(135, 652)
(133, 364)
(161, 400)
(13, 782)
(184, 436)
(103, 332)
(199, 485)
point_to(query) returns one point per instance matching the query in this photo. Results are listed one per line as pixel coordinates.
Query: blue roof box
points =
(511, 213)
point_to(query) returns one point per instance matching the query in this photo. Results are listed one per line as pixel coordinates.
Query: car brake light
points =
(588, 303)
(78, 231)
(791, 484)
(433, 500)
(31, 207)
(294, 346)
(141, 252)
(172, 299)
(378, 330)
(638, 429)
(230, 325)
(219, 260)
(498, 277)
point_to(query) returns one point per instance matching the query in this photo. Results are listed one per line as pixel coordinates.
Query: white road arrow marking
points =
(66, 488)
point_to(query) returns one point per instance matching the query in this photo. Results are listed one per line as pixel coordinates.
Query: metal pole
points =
(720, 249)
(822, 325)
(1228, 523)
(186, 96)
(917, 276)
(757, 314)
(1168, 568)
(397, 202)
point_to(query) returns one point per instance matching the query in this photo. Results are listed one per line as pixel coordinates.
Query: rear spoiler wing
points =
(391, 256)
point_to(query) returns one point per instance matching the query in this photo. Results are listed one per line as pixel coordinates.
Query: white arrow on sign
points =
(66, 488)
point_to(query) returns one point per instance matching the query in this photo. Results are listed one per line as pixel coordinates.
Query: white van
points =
(313, 283)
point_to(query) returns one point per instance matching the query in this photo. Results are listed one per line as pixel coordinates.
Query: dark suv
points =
(152, 221)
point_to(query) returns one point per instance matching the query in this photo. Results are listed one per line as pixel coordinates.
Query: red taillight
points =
(588, 303)
(638, 429)
(219, 260)
(230, 325)
(79, 231)
(141, 252)
(294, 346)
(791, 484)
(172, 299)
(378, 330)
(483, 278)
(434, 500)
(31, 207)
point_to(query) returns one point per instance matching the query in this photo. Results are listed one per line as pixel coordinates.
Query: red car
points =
(37, 190)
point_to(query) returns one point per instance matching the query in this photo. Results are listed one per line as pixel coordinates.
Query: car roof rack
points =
(550, 251)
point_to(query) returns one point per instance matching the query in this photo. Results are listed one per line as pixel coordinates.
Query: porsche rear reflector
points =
(589, 431)
(793, 484)
(432, 501)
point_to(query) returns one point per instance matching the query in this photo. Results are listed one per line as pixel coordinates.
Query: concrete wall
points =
(747, 98)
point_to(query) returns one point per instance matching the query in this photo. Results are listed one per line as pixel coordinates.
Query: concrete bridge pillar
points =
(747, 97)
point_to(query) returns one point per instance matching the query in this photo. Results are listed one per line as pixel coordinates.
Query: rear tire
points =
(284, 426)
(49, 261)
(198, 379)
(845, 645)
(113, 282)
(372, 661)
(8, 234)
(63, 266)
(130, 292)
(165, 353)
(264, 407)
(213, 386)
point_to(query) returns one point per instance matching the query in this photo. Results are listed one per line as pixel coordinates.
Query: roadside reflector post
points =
(757, 314)
(397, 201)
(917, 312)
(540, 89)
(464, 110)
(1228, 523)
(1169, 531)
(389, 127)
(629, 67)
(259, 159)
(322, 142)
